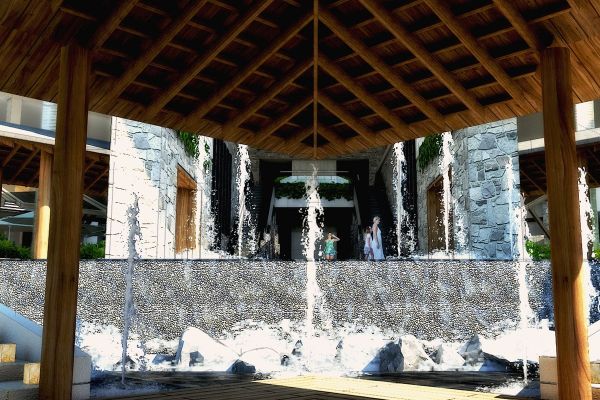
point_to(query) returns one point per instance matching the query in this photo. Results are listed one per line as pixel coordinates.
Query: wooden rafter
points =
(354, 123)
(363, 95)
(444, 13)
(381, 67)
(114, 89)
(102, 175)
(292, 141)
(264, 98)
(10, 155)
(232, 83)
(335, 139)
(277, 123)
(516, 19)
(414, 45)
(108, 26)
(26, 163)
(202, 61)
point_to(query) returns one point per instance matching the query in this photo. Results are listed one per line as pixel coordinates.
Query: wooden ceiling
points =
(252, 71)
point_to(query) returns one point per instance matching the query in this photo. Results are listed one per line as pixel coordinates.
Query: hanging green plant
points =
(327, 191)
(429, 150)
(191, 143)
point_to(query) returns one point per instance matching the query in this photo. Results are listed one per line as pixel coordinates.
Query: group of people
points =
(373, 249)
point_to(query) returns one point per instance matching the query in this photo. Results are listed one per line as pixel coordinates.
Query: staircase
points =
(18, 379)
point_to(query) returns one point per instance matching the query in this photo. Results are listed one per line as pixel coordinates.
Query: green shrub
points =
(191, 143)
(537, 250)
(327, 191)
(429, 150)
(597, 253)
(92, 251)
(9, 249)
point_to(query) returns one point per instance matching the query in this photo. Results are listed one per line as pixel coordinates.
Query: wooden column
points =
(42, 208)
(65, 226)
(563, 203)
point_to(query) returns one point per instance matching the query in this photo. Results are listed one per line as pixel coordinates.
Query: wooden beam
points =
(250, 68)
(277, 123)
(91, 185)
(263, 99)
(115, 88)
(109, 25)
(348, 119)
(205, 59)
(363, 95)
(41, 228)
(570, 315)
(62, 272)
(293, 141)
(315, 117)
(444, 13)
(10, 155)
(381, 67)
(414, 45)
(335, 139)
(26, 163)
(527, 32)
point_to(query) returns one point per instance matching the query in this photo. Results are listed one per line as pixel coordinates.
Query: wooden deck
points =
(321, 387)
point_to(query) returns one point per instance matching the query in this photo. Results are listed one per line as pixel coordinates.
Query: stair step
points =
(12, 371)
(17, 390)
(8, 352)
(31, 374)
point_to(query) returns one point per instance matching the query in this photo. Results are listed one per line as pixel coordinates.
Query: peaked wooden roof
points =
(252, 71)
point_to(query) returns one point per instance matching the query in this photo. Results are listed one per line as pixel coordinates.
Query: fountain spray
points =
(445, 164)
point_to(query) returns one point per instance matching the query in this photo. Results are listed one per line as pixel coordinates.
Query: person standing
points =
(376, 243)
(330, 246)
(368, 250)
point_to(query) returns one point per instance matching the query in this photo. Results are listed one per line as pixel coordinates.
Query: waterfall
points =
(398, 185)
(525, 311)
(445, 164)
(512, 211)
(129, 307)
(312, 232)
(244, 218)
(587, 235)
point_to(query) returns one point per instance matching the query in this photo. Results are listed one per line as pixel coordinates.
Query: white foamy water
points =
(526, 314)
(445, 163)
(522, 230)
(129, 307)
(513, 220)
(244, 218)
(587, 236)
(399, 186)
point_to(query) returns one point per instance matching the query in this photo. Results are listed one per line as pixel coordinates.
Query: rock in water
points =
(446, 356)
(391, 358)
(240, 367)
(196, 347)
(285, 360)
(471, 351)
(415, 357)
(297, 349)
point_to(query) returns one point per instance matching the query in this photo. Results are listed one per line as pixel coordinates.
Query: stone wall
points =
(430, 299)
(143, 163)
(485, 194)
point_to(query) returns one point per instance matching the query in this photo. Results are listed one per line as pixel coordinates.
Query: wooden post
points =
(42, 208)
(65, 225)
(563, 203)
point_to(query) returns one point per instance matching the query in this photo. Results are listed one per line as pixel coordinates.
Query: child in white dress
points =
(368, 250)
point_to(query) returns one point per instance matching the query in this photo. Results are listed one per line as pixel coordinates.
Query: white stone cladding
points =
(143, 162)
(480, 190)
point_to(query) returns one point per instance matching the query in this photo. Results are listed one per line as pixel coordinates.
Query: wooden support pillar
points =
(65, 225)
(563, 203)
(14, 108)
(42, 208)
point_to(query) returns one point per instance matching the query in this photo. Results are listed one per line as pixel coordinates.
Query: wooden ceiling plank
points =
(334, 138)
(365, 96)
(26, 163)
(10, 155)
(290, 113)
(202, 61)
(347, 118)
(109, 25)
(273, 90)
(292, 141)
(444, 13)
(515, 18)
(381, 67)
(114, 89)
(414, 45)
(250, 68)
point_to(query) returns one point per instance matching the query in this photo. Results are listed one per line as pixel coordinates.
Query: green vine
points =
(429, 150)
(191, 143)
(327, 191)
(207, 162)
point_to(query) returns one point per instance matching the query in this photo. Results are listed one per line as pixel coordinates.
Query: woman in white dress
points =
(376, 243)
